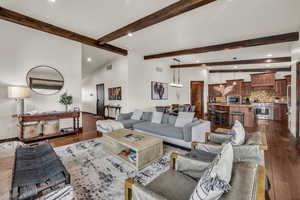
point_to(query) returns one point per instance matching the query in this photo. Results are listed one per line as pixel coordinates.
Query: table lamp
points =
(19, 93)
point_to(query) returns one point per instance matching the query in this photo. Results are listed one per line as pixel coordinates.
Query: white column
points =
(295, 60)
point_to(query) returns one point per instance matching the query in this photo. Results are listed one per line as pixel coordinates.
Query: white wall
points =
(142, 72)
(117, 77)
(295, 59)
(23, 48)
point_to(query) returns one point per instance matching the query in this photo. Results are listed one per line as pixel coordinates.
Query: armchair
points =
(178, 183)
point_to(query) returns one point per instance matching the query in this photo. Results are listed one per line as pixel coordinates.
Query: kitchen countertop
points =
(231, 105)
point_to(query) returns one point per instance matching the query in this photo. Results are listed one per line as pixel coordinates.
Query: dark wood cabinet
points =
(237, 87)
(263, 80)
(281, 87)
(280, 111)
(246, 89)
(288, 79)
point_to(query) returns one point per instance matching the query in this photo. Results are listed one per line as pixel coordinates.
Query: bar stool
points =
(241, 115)
(221, 117)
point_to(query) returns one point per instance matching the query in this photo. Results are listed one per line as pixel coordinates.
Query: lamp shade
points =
(18, 92)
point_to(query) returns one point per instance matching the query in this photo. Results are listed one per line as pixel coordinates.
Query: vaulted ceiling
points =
(218, 22)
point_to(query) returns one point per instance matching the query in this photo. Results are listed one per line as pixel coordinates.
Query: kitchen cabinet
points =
(288, 79)
(246, 89)
(280, 111)
(237, 87)
(281, 88)
(263, 80)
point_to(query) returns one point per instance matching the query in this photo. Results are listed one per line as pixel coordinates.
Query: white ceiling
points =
(219, 22)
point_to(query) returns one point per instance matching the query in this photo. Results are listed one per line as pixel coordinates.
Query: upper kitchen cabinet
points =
(263, 80)
(288, 79)
(281, 87)
(237, 87)
(246, 89)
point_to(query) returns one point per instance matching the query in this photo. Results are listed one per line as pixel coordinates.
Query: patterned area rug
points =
(96, 174)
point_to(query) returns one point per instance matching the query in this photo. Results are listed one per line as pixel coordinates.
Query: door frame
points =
(297, 101)
(97, 111)
(202, 107)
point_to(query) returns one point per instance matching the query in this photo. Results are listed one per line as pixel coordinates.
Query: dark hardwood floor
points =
(282, 158)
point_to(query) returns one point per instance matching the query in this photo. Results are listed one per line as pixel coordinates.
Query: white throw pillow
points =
(238, 123)
(137, 115)
(216, 178)
(239, 135)
(184, 118)
(157, 117)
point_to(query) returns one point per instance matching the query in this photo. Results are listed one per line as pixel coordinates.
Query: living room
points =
(136, 98)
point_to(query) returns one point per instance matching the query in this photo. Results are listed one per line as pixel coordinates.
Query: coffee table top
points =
(119, 136)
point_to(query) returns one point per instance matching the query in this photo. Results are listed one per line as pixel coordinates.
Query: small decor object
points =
(66, 100)
(19, 93)
(159, 91)
(45, 80)
(115, 93)
(224, 90)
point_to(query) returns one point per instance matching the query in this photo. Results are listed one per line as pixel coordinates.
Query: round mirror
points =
(45, 80)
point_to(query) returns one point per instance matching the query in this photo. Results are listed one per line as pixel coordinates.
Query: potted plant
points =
(66, 100)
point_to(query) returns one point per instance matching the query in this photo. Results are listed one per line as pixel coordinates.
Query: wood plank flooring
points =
(282, 158)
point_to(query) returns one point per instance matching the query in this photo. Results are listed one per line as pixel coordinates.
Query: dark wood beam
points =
(285, 69)
(236, 62)
(274, 39)
(172, 10)
(21, 19)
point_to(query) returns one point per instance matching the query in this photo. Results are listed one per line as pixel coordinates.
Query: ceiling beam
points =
(274, 39)
(284, 69)
(172, 10)
(236, 62)
(21, 19)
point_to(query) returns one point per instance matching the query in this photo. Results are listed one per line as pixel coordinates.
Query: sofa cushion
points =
(157, 117)
(160, 129)
(184, 118)
(172, 120)
(137, 115)
(238, 136)
(173, 185)
(165, 119)
(147, 116)
(128, 123)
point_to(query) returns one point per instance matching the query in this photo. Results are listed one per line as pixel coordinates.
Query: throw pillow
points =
(216, 178)
(184, 118)
(239, 135)
(157, 117)
(137, 115)
(238, 123)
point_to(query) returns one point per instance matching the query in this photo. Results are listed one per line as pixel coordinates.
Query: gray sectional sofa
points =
(194, 131)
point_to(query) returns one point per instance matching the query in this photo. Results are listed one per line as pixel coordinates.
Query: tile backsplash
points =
(265, 96)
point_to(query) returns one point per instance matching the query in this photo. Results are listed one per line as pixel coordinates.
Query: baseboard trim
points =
(9, 140)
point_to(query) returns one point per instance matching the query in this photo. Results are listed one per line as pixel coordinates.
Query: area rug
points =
(96, 174)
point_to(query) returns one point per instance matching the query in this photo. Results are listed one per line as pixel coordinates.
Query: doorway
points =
(197, 97)
(298, 102)
(100, 99)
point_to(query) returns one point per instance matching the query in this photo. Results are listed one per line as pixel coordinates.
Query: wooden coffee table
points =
(148, 148)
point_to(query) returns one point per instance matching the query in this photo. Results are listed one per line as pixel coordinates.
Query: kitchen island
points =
(247, 109)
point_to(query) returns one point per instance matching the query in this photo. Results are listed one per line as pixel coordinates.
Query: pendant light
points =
(174, 84)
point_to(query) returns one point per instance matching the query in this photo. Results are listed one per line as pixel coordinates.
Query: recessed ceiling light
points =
(269, 55)
(235, 67)
(89, 59)
(130, 34)
(269, 60)
(197, 61)
(52, 1)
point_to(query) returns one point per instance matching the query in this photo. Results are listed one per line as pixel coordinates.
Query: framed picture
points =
(159, 91)
(115, 93)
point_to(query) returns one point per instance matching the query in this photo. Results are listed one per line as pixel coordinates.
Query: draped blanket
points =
(106, 126)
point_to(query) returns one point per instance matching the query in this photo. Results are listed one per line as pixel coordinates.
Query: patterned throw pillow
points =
(239, 134)
(213, 183)
(137, 115)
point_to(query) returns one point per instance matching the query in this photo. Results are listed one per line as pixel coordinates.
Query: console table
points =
(22, 119)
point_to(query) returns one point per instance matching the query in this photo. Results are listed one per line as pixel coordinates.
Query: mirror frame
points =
(27, 79)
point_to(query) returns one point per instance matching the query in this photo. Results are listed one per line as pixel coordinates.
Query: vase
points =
(66, 106)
